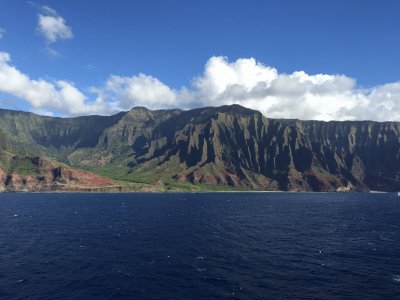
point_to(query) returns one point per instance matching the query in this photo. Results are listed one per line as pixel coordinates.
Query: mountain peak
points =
(237, 108)
(136, 108)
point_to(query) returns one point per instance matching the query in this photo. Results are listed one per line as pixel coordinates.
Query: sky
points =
(306, 59)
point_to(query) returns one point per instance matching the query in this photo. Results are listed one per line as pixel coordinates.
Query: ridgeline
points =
(212, 148)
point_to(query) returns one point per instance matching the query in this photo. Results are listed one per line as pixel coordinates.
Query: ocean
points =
(199, 246)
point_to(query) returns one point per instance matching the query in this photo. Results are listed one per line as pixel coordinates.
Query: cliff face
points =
(240, 147)
(39, 174)
(2, 180)
(228, 145)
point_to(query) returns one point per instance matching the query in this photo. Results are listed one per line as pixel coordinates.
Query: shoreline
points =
(188, 192)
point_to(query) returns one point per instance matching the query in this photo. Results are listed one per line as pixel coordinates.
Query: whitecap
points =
(396, 278)
(201, 269)
(124, 273)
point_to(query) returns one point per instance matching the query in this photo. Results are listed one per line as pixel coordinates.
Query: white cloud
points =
(2, 32)
(220, 75)
(297, 95)
(140, 90)
(244, 81)
(52, 52)
(59, 96)
(52, 26)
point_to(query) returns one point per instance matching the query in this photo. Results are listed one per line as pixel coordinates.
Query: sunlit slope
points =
(228, 146)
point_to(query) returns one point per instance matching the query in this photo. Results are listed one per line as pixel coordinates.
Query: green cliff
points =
(228, 147)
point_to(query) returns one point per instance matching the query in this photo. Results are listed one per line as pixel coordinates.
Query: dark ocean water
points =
(200, 246)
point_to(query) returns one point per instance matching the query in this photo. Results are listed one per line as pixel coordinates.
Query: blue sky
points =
(127, 53)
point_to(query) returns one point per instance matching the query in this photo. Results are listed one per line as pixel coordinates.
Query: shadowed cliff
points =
(228, 146)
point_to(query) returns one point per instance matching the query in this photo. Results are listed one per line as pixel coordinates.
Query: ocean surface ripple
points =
(200, 246)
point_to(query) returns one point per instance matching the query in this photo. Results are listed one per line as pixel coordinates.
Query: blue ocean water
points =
(200, 246)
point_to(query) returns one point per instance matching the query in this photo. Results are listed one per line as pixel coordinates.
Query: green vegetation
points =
(207, 149)
(22, 166)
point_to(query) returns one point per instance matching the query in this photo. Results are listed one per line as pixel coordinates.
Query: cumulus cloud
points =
(297, 95)
(52, 26)
(59, 96)
(260, 87)
(222, 79)
(140, 90)
(245, 81)
(2, 32)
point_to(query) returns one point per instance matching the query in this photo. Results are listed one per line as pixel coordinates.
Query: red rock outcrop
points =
(48, 175)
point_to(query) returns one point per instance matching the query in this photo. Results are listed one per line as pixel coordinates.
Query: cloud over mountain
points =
(60, 96)
(244, 81)
(140, 90)
(255, 85)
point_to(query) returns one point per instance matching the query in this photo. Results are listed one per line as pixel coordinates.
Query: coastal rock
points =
(2, 180)
(40, 174)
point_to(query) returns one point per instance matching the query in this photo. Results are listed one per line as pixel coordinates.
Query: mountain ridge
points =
(214, 148)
